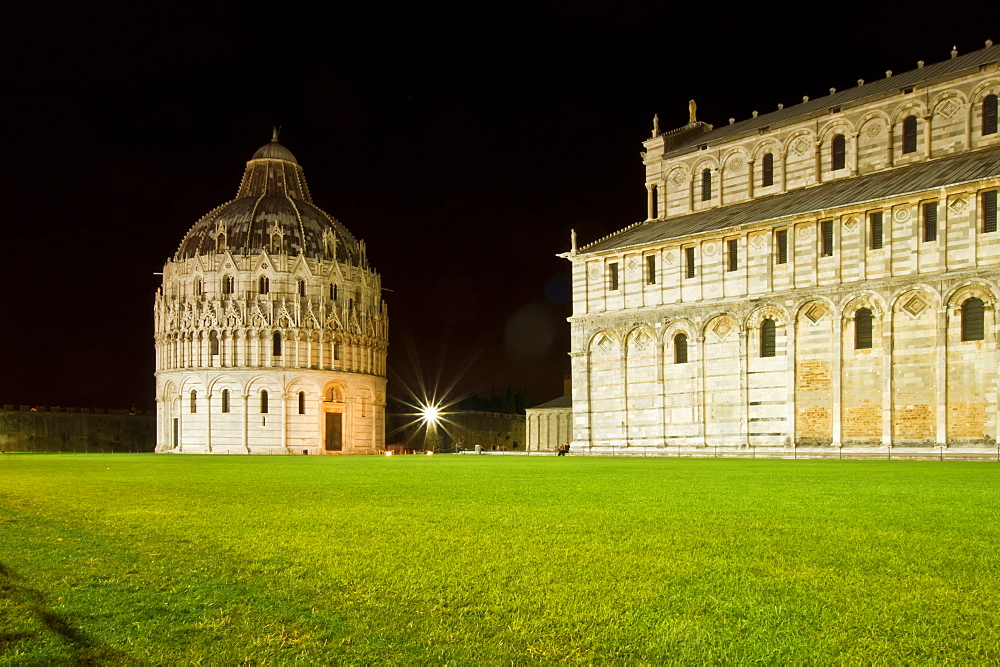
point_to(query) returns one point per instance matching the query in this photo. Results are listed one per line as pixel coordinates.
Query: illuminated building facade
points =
(823, 275)
(270, 328)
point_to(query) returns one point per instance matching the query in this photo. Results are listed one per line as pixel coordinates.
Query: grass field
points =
(478, 559)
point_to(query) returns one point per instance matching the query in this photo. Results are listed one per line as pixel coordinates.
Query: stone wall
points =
(53, 429)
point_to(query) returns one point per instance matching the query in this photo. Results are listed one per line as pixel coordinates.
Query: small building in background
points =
(549, 424)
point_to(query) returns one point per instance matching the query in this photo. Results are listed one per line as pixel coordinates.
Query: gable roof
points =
(952, 68)
(561, 402)
(961, 168)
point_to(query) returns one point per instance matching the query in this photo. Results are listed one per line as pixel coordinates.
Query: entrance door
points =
(334, 431)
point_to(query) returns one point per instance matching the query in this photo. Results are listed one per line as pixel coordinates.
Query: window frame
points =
(864, 337)
(929, 223)
(194, 402)
(225, 401)
(826, 238)
(733, 252)
(989, 115)
(768, 338)
(690, 268)
(706, 184)
(276, 344)
(973, 330)
(988, 203)
(838, 152)
(680, 348)
(781, 242)
(767, 170)
(650, 269)
(876, 220)
(909, 135)
(613, 278)
(263, 402)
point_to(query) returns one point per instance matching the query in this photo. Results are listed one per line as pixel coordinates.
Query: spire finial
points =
(274, 133)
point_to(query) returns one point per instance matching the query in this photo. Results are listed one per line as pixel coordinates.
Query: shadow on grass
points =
(32, 604)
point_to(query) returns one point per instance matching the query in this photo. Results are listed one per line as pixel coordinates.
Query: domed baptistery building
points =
(271, 332)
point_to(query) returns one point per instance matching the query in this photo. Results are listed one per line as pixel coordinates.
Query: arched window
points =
(655, 201)
(333, 292)
(198, 287)
(910, 134)
(263, 401)
(228, 284)
(302, 402)
(213, 343)
(680, 349)
(302, 288)
(990, 114)
(706, 184)
(194, 401)
(839, 152)
(767, 346)
(863, 329)
(220, 242)
(767, 170)
(973, 325)
(275, 243)
(336, 351)
(225, 400)
(264, 285)
(276, 344)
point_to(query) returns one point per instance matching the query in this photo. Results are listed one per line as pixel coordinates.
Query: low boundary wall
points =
(56, 429)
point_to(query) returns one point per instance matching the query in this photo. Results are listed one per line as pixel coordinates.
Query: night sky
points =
(461, 143)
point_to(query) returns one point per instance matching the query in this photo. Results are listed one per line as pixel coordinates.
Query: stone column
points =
(625, 415)
(887, 377)
(890, 130)
(927, 136)
(744, 387)
(180, 422)
(784, 170)
(284, 421)
(720, 172)
(818, 160)
(968, 126)
(208, 421)
(700, 388)
(855, 158)
(750, 179)
(839, 329)
(581, 365)
(941, 376)
(246, 423)
(790, 377)
(649, 201)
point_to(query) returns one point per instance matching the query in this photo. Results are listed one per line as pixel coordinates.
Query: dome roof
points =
(273, 204)
(274, 151)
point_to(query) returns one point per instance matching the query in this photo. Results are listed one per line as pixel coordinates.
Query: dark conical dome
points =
(272, 198)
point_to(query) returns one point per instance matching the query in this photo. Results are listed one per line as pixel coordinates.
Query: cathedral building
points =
(270, 328)
(823, 275)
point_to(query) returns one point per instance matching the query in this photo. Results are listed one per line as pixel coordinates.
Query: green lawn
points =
(479, 559)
